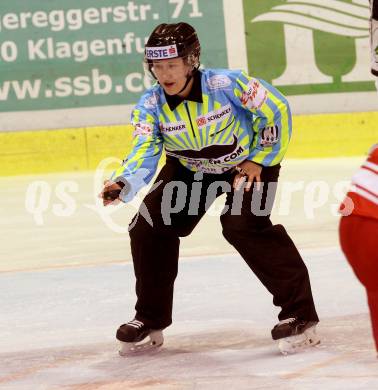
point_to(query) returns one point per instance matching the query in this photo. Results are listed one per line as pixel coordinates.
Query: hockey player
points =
(359, 225)
(359, 231)
(222, 131)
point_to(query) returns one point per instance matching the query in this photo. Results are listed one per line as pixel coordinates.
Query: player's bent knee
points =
(139, 227)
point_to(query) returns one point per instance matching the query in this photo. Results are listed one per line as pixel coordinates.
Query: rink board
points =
(79, 149)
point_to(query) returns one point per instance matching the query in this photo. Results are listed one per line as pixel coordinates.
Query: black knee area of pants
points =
(264, 241)
(139, 228)
(233, 226)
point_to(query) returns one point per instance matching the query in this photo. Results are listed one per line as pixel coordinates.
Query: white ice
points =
(67, 284)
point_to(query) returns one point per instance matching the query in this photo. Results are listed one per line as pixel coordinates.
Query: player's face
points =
(171, 74)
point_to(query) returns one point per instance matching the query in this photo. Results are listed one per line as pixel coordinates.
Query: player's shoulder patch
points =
(151, 101)
(269, 136)
(255, 95)
(150, 98)
(218, 79)
(143, 128)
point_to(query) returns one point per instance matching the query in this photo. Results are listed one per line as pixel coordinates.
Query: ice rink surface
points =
(67, 283)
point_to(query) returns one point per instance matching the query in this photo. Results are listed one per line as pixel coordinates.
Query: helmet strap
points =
(188, 78)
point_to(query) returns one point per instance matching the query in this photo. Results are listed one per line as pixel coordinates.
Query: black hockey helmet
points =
(172, 41)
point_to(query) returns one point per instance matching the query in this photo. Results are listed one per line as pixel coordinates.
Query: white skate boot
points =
(294, 335)
(132, 337)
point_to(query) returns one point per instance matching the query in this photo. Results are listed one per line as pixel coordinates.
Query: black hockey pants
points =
(267, 249)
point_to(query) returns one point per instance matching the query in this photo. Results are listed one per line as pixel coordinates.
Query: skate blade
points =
(154, 342)
(293, 344)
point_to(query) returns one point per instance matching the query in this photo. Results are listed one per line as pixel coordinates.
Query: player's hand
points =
(248, 172)
(110, 193)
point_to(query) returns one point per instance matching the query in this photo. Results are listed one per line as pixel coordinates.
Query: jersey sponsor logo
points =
(255, 96)
(228, 158)
(208, 152)
(218, 82)
(173, 127)
(269, 136)
(151, 102)
(161, 53)
(214, 116)
(202, 167)
(201, 121)
(143, 129)
(213, 165)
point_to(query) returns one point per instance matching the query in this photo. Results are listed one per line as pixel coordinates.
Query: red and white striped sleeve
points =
(364, 190)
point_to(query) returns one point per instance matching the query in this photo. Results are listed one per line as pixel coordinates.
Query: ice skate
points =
(132, 337)
(294, 335)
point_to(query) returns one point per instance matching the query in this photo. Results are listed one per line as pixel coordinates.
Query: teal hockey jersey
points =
(228, 117)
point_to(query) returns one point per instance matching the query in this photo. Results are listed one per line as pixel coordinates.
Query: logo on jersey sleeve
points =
(269, 136)
(255, 96)
(151, 102)
(218, 82)
(143, 129)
